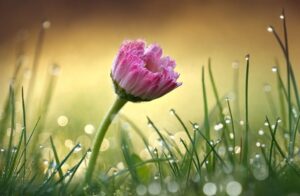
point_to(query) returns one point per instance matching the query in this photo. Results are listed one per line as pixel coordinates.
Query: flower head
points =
(140, 73)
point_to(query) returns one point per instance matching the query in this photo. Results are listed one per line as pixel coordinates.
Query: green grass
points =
(217, 155)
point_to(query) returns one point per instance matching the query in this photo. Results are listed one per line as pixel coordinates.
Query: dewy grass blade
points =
(57, 168)
(206, 118)
(287, 55)
(211, 146)
(72, 172)
(27, 142)
(166, 145)
(274, 139)
(12, 129)
(281, 95)
(127, 156)
(246, 137)
(191, 160)
(293, 138)
(273, 131)
(60, 172)
(194, 149)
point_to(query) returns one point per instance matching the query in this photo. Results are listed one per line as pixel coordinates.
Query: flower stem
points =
(115, 108)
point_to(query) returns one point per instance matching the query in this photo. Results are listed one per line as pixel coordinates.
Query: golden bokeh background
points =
(85, 36)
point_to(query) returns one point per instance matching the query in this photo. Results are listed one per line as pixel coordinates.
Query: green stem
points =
(118, 104)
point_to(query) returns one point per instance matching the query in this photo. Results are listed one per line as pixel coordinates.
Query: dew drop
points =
(78, 148)
(274, 69)
(69, 143)
(172, 187)
(196, 178)
(233, 188)
(281, 16)
(231, 136)
(209, 188)
(247, 57)
(46, 162)
(257, 144)
(259, 168)
(196, 126)
(270, 29)
(266, 123)
(46, 24)
(89, 129)
(62, 121)
(242, 122)
(154, 188)
(141, 189)
(218, 126)
(237, 149)
(172, 111)
(261, 132)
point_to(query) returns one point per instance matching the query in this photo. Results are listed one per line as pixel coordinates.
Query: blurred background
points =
(83, 37)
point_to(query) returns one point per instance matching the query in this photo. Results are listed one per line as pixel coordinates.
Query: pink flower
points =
(140, 73)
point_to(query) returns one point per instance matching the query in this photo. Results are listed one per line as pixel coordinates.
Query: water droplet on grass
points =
(172, 111)
(266, 123)
(78, 148)
(218, 126)
(231, 136)
(270, 29)
(247, 57)
(281, 16)
(274, 69)
(237, 149)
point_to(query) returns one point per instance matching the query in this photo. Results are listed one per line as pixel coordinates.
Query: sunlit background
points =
(84, 37)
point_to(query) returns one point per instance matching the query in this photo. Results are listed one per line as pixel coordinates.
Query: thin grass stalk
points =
(206, 119)
(246, 137)
(24, 130)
